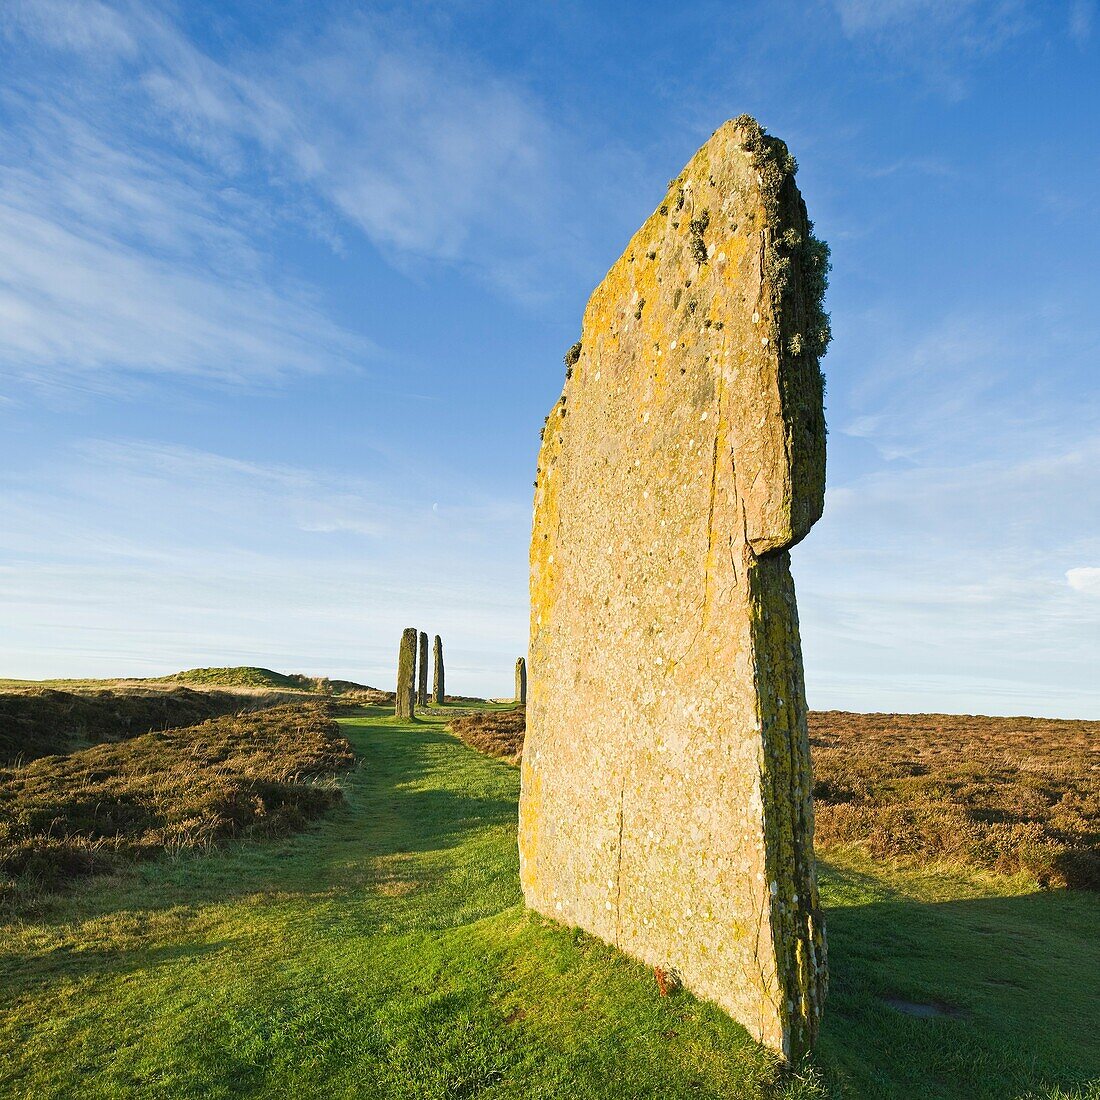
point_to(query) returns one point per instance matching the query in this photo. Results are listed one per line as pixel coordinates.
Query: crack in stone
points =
(619, 864)
(710, 525)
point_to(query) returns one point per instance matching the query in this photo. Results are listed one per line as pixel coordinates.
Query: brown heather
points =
(1007, 794)
(495, 733)
(265, 773)
(1003, 794)
(42, 721)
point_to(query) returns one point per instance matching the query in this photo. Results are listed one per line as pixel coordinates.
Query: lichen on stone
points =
(571, 358)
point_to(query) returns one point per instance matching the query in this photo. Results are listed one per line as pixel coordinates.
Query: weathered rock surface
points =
(437, 672)
(406, 674)
(521, 680)
(666, 802)
(422, 672)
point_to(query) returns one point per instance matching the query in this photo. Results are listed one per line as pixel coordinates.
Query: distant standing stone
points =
(666, 788)
(437, 670)
(521, 681)
(406, 672)
(422, 672)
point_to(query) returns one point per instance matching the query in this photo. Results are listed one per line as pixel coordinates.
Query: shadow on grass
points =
(66, 962)
(413, 802)
(1013, 996)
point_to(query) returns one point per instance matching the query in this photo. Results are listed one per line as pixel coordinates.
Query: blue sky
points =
(284, 292)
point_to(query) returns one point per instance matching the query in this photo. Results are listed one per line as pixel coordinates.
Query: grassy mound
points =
(254, 678)
(243, 676)
(66, 816)
(43, 721)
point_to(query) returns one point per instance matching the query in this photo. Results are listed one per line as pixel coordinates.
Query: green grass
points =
(385, 952)
(241, 676)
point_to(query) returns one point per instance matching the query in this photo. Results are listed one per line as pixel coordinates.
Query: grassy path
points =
(385, 953)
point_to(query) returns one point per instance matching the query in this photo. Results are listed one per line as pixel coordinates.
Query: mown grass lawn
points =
(386, 953)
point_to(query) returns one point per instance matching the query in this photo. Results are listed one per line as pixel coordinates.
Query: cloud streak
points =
(143, 183)
(424, 152)
(950, 568)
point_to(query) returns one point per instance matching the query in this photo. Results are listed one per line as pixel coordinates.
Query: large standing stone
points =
(666, 803)
(521, 681)
(422, 672)
(406, 674)
(437, 672)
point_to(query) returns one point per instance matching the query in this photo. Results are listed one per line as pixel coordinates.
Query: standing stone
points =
(521, 681)
(422, 672)
(666, 799)
(406, 673)
(437, 672)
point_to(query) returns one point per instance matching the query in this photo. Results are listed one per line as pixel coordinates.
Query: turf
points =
(384, 952)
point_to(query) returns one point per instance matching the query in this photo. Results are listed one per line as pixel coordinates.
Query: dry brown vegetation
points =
(350, 701)
(493, 732)
(38, 722)
(1005, 794)
(1009, 794)
(267, 773)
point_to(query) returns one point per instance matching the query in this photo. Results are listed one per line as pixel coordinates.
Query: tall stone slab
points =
(666, 788)
(406, 674)
(521, 681)
(437, 672)
(422, 672)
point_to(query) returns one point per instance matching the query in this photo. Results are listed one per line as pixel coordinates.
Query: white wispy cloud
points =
(123, 262)
(140, 182)
(85, 27)
(940, 571)
(934, 39)
(422, 150)
(969, 385)
(979, 25)
(1081, 16)
(1084, 578)
(428, 154)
